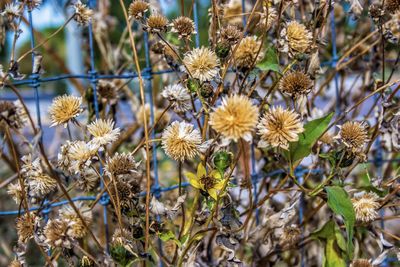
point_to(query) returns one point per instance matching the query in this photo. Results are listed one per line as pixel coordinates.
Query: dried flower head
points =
(12, 114)
(64, 109)
(25, 227)
(290, 236)
(157, 23)
(121, 164)
(63, 160)
(78, 230)
(32, 4)
(137, 9)
(326, 138)
(15, 191)
(11, 11)
(39, 184)
(83, 14)
(58, 233)
(230, 34)
(354, 135)
(235, 118)
(268, 17)
(248, 52)
(392, 6)
(121, 237)
(233, 12)
(124, 193)
(365, 207)
(108, 91)
(202, 64)
(361, 263)
(87, 180)
(278, 127)
(295, 84)
(376, 12)
(179, 97)
(295, 38)
(181, 141)
(103, 132)
(184, 27)
(81, 155)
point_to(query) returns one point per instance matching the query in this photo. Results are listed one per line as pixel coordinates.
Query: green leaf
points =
(270, 60)
(185, 238)
(327, 231)
(365, 184)
(329, 157)
(169, 235)
(340, 203)
(334, 242)
(312, 132)
(333, 258)
(374, 189)
(210, 203)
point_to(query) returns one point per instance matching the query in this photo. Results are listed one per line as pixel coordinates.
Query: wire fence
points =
(35, 81)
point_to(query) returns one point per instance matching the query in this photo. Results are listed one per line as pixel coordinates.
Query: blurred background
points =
(68, 53)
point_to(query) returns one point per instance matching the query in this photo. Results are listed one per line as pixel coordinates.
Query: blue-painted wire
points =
(93, 79)
(126, 76)
(143, 193)
(334, 61)
(149, 93)
(34, 80)
(299, 176)
(196, 23)
(244, 21)
(53, 205)
(254, 181)
(35, 85)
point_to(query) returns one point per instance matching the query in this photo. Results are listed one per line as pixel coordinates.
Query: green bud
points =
(193, 85)
(222, 160)
(222, 50)
(121, 255)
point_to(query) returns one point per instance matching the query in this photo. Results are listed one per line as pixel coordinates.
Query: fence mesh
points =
(35, 81)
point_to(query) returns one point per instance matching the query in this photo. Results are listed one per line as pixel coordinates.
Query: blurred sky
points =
(47, 15)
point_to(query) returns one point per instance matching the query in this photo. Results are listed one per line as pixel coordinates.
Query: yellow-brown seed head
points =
(157, 23)
(236, 118)
(184, 26)
(137, 9)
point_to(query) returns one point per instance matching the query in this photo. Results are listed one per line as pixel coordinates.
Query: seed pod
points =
(207, 90)
(344, 158)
